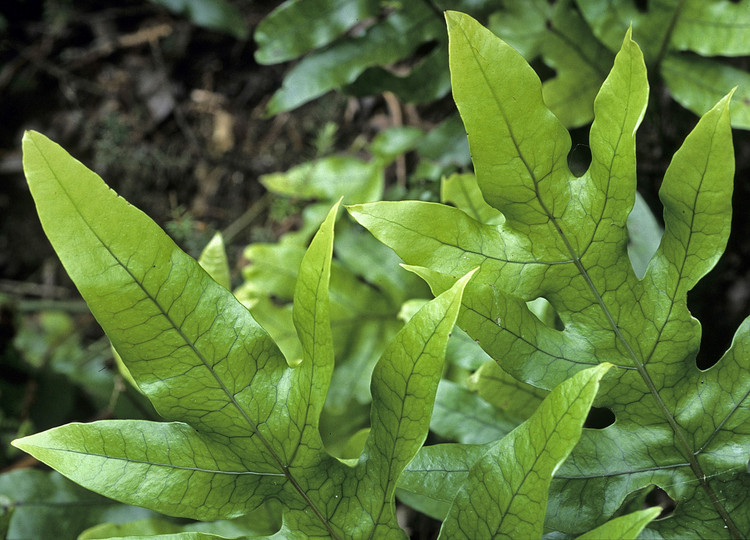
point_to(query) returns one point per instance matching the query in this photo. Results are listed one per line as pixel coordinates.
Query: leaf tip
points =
(22, 443)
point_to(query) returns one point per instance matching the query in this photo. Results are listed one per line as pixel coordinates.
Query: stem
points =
(686, 448)
(668, 35)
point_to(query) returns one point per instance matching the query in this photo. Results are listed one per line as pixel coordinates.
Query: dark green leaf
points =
(295, 28)
(218, 15)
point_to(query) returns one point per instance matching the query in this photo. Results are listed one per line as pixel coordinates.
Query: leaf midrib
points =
(686, 447)
(168, 465)
(284, 468)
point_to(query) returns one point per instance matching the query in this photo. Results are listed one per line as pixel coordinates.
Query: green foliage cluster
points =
(365, 47)
(219, 15)
(531, 261)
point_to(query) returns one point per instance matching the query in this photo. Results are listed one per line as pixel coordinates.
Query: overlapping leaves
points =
(564, 238)
(357, 42)
(242, 424)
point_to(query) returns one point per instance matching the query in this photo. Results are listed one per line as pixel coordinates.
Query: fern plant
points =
(242, 426)
(563, 238)
(242, 435)
(364, 47)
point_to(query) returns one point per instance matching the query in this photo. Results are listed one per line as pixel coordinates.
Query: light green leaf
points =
(627, 527)
(312, 321)
(698, 83)
(213, 259)
(406, 385)
(172, 467)
(330, 178)
(713, 28)
(505, 494)
(644, 235)
(558, 34)
(363, 319)
(248, 423)
(565, 239)
(462, 191)
(497, 387)
(279, 38)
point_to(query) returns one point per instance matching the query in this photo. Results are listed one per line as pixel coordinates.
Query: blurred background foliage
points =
(250, 118)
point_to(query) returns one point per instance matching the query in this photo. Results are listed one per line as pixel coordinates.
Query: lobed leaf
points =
(559, 35)
(565, 239)
(248, 429)
(505, 493)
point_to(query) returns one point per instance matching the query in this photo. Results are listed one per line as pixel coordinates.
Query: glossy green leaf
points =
(462, 191)
(558, 34)
(393, 38)
(213, 259)
(427, 79)
(713, 28)
(697, 83)
(497, 387)
(505, 493)
(565, 239)
(626, 527)
(279, 38)
(218, 15)
(708, 28)
(245, 424)
(667, 27)
(652, 26)
(329, 178)
(261, 522)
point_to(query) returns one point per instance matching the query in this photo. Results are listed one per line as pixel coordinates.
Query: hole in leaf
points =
(720, 307)
(659, 497)
(579, 157)
(641, 5)
(599, 418)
